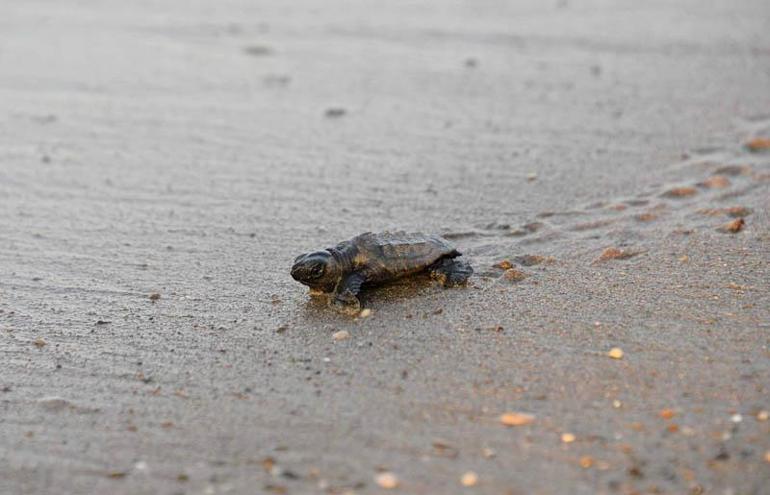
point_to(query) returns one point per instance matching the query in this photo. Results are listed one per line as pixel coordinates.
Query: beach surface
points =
(601, 164)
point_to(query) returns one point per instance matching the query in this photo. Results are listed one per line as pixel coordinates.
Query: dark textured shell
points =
(395, 254)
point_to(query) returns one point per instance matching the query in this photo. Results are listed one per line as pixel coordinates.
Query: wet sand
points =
(193, 149)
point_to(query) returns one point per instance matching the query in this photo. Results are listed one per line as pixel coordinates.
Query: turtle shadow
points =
(398, 291)
(389, 295)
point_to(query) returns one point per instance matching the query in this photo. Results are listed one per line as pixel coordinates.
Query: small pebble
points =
(736, 418)
(767, 456)
(386, 480)
(505, 265)
(613, 253)
(341, 335)
(733, 170)
(513, 275)
(517, 419)
(469, 479)
(667, 413)
(268, 463)
(617, 404)
(586, 461)
(715, 182)
(616, 353)
(680, 192)
(154, 296)
(443, 449)
(532, 176)
(533, 259)
(365, 313)
(733, 227)
(567, 437)
(762, 415)
(39, 343)
(646, 217)
(488, 453)
(738, 211)
(758, 144)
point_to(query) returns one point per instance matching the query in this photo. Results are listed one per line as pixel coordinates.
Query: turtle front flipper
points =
(345, 298)
(451, 272)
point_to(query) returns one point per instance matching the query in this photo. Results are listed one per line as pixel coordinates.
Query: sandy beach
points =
(603, 165)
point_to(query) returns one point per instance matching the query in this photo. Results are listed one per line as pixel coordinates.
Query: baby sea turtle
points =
(370, 259)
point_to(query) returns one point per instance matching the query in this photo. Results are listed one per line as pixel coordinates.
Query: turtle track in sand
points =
(712, 190)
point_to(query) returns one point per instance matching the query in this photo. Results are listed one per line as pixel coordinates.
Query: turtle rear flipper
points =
(451, 272)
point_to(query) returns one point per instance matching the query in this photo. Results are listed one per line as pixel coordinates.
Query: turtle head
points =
(318, 270)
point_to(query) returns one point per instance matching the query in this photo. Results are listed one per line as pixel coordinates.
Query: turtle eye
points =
(317, 271)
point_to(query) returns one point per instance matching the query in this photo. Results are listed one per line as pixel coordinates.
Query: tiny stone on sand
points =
(505, 265)
(469, 479)
(733, 227)
(533, 259)
(758, 144)
(615, 353)
(567, 437)
(715, 182)
(667, 413)
(513, 275)
(341, 335)
(737, 211)
(613, 253)
(680, 192)
(517, 419)
(365, 313)
(386, 480)
(646, 217)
